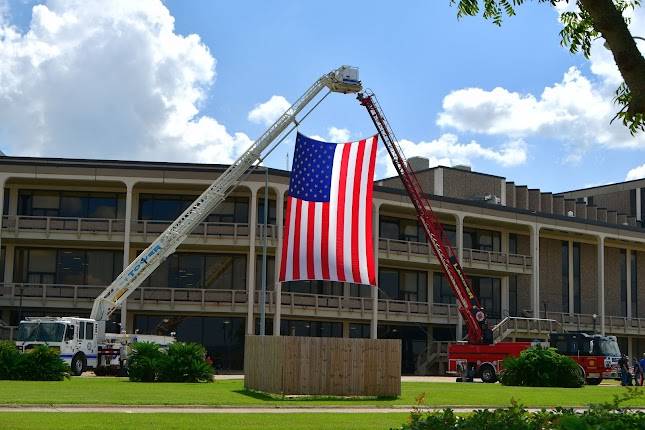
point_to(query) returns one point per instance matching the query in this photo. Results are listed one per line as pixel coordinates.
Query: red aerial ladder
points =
(480, 356)
(467, 303)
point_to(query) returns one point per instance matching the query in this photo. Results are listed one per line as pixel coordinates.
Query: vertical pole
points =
(601, 283)
(126, 247)
(279, 214)
(375, 229)
(250, 278)
(263, 287)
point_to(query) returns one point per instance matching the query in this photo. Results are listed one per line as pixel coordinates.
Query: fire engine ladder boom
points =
(342, 80)
(467, 303)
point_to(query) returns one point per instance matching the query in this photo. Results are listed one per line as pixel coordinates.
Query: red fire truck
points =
(479, 356)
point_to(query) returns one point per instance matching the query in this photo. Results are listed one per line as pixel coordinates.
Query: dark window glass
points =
(360, 331)
(414, 286)
(327, 288)
(360, 290)
(5, 204)
(512, 243)
(70, 267)
(577, 287)
(512, 296)
(388, 229)
(623, 282)
(401, 229)
(194, 270)
(484, 240)
(271, 214)
(270, 272)
(634, 282)
(71, 204)
(488, 290)
(388, 281)
(441, 289)
(2, 263)
(311, 328)
(451, 234)
(565, 276)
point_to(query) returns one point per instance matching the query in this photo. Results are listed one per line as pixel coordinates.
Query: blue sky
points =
(415, 57)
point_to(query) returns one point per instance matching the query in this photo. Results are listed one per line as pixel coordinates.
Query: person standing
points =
(642, 363)
(638, 372)
(623, 365)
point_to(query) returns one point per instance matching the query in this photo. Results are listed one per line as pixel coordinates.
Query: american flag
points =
(328, 227)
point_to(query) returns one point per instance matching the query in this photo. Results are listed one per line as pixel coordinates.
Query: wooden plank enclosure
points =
(322, 366)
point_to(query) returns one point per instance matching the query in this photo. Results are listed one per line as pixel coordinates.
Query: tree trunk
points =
(610, 23)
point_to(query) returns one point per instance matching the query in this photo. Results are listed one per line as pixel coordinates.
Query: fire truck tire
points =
(79, 364)
(487, 374)
(593, 381)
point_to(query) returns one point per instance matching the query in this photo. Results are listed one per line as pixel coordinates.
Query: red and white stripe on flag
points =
(328, 231)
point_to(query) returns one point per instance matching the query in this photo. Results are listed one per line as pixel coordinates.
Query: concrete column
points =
(628, 286)
(535, 277)
(502, 196)
(430, 293)
(438, 181)
(570, 277)
(345, 328)
(375, 229)
(13, 200)
(279, 213)
(250, 277)
(601, 282)
(126, 246)
(459, 232)
(505, 299)
(9, 256)
(3, 181)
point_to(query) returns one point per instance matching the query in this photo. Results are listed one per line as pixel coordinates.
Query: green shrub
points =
(42, 364)
(541, 367)
(9, 360)
(185, 362)
(144, 361)
(39, 364)
(607, 416)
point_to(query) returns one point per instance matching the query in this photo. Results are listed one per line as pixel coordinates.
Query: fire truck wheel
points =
(593, 381)
(487, 374)
(79, 363)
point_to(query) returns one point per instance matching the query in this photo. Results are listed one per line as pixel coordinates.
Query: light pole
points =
(594, 316)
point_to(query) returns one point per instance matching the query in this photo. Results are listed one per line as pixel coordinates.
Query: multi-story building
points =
(69, 226)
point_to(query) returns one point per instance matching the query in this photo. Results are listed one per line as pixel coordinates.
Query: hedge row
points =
(39, 364)
(183, 362)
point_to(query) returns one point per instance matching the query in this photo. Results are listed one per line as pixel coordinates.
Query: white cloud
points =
(100, 79)
(448, 151)
(335, 135)
(268, 112)
(577, 110)
(636, 173)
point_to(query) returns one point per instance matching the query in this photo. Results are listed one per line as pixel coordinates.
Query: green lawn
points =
(90, 421)
(106, 391)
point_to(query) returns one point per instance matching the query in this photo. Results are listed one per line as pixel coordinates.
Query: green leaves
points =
(541, 367)
(39, 364)
(183, 362)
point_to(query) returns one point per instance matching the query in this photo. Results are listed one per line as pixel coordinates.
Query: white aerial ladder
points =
(342, 80)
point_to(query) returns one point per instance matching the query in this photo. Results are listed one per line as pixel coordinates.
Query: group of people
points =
(633, 376)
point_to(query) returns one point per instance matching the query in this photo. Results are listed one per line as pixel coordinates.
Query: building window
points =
(401, 229)
(442, 293)
(577, 286)
(359, 331)
(271, 220)
(632, 202)
(162, 207)
(71, 204)
(270, 272)
(488, 291)
(623, 282)
(512, 279)
(484, 240)
(360, 290)
(565, 276)
(325, 288)
(311, 328)
(403, 285)
(5, 200)
(634, 282)
(67, 266)
(193, 270)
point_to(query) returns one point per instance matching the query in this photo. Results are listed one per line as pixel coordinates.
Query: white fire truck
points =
(83, 342)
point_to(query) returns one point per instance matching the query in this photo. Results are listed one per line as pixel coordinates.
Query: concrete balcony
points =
(62, 228)
(614, 325)
(420, 252)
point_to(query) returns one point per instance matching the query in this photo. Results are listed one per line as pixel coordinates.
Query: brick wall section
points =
(581, 210)
(468, 185)
(546, 205)
(558, 205)
(602, 214)
(618, 201)
(592, 213)
(510, 194)
(534, 200)
(588, 278)
(551, 275)
(640, 274)
(612, 281)
(569, 206)
(612, 217)
(521, 197)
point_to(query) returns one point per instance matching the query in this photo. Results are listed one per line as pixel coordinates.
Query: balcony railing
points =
(205, 229)
(18, 223)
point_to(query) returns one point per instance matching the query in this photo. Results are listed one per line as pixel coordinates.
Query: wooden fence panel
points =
(292, 365)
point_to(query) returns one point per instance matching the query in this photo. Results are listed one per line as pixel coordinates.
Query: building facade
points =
(70, 226)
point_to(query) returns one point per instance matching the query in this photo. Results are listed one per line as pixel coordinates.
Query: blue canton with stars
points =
(311, 170)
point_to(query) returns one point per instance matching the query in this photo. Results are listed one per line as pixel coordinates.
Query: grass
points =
(118, 391)
(89, 421)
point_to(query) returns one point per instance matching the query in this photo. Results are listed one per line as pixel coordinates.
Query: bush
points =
(9, 360)
(607, 416)
(144, 362)
(184, 362)
(39, 364)
(541, 367)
